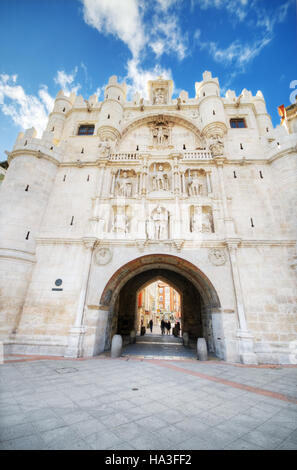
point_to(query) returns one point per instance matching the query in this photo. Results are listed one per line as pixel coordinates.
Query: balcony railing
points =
(197, 155)
(124, 156)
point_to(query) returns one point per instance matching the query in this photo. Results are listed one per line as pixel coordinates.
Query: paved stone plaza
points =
(132, 403)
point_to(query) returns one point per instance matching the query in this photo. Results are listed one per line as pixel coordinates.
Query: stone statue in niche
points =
(120, 224)
(160, 180)
(206, 222)
(160, 136)
(194, 185)
(201, 219)
(196, 219)
(160, 96)
(124, 186)
(159, 224)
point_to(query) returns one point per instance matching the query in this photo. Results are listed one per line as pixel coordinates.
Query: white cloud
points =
(167, 37)
(237, 8)
(137, 78)
(66, 81)
(126, 20)
(236, 53)
(25, 110)
(261, 24)
(121, 18)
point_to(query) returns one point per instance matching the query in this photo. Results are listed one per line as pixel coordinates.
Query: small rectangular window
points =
(86, 129)
(238, 123)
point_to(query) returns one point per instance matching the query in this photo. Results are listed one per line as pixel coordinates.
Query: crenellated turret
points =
(57, 118)
(211, 106)
(109, 125)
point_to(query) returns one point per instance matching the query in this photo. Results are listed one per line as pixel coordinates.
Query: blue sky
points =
(77, 45)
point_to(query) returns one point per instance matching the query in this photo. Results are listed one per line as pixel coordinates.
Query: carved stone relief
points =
(120, 219)
(195, 182)
(160, 177)
(217, 256)
(158, 224)
(124, 183)
(102, 256)
(160, 96)
(201, 219)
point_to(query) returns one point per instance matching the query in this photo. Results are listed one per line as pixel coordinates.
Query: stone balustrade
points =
(124, 156)
(197, 155)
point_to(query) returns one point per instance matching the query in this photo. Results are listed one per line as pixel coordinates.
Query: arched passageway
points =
(199, 299)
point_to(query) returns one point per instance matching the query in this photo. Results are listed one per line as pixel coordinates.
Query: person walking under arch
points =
(168, 327)
(162, 327)
(151, 325)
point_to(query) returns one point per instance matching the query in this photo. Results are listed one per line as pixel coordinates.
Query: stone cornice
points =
(147, 244)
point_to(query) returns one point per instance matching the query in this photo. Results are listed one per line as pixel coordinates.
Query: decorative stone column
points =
(144, 178)
(77, 331)
(208, 182)
(112, 186)
(245, 338)
(183, 183)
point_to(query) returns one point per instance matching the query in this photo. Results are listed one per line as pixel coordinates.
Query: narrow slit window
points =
(82, 150)
(27, 236)
(64, 178)
(53, 129)
(64, 109)
(184, 147)
(137, 147)
(27, 188)
(241, 147)
(88, 178)
(214, 112)
(25, 143)
(72, 219)
(252, 222)
(108, 116)
(261, 175)
(234, 174)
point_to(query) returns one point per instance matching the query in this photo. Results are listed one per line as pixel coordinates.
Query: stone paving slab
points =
(153, 404)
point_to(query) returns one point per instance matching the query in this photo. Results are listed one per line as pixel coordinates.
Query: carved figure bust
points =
(160, 96)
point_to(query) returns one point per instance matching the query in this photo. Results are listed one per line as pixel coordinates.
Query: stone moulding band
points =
(7, 253)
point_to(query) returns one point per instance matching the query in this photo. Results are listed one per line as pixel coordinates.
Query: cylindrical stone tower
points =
(26, 189)
(111, 115)
(211, 106)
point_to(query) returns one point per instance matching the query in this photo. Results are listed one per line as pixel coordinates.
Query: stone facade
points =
(199, 192)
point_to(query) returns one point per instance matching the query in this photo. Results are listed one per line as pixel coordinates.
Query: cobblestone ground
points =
(130, 403)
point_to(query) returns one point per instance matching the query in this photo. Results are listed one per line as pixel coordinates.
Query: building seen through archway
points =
(156, 302)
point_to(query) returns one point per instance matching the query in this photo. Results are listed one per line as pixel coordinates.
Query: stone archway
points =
(199, 297)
